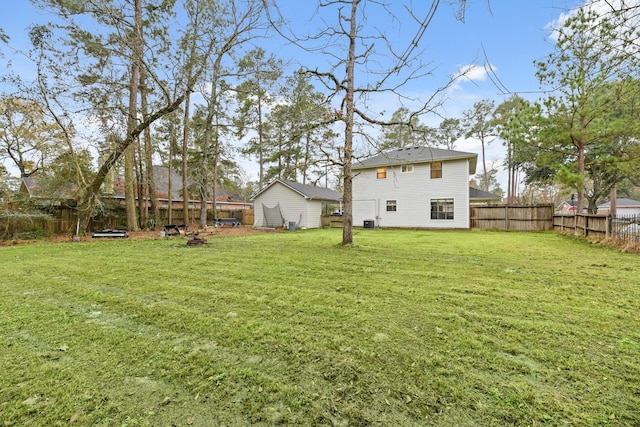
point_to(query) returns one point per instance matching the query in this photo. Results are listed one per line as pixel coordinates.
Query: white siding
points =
(621, 211)
(294, 207)
(314, 214)
(364, 210)
(413, 193)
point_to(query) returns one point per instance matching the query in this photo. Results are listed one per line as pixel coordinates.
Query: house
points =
(282, 202)
(45, 197)
(567, 207)
(224, 199)
(624, 207)
(421, 187)
(113, 189)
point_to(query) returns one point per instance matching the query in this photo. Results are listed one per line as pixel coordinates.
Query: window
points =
(407, 168)
(391, 206)
(436, 170)
(382, 173)
(441, 208)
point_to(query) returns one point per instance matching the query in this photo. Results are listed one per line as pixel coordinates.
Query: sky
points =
(507, 34)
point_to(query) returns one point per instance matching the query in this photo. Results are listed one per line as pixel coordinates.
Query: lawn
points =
(405, 328)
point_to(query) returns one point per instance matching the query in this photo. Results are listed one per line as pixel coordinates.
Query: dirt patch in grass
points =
(208, 233)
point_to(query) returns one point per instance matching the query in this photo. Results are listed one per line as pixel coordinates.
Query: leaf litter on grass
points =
(295, 329)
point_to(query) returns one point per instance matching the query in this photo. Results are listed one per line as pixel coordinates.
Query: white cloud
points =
(471, 73)
(601, 8)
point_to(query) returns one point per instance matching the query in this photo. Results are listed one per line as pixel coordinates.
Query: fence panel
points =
(626, 228)
(585, 225)
(512, 218)
(64, 220)
(332, 221)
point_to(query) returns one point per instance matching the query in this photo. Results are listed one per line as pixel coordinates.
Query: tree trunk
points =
(129, 161)
(173, 141)
(185, 181)
(347, 231)
(150, 182)
(204, 189)
(129, 188)
(581, 172)
(614, 202)
(260, 144)
(485, 178)
(143, 188)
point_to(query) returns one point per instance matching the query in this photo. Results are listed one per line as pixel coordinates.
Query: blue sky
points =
(512, 33)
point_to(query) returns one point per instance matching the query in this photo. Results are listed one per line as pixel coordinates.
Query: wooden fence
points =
(491, 217)
(62, 220)
(586, 225)
(512, 218)
(332, 221)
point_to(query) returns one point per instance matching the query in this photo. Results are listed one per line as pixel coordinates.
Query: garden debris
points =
(110, 232)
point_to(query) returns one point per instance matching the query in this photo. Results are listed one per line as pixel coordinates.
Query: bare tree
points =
(354, 47)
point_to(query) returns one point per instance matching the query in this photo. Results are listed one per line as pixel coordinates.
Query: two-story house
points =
(413, 187)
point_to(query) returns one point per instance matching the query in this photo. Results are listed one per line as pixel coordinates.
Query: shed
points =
(282, 202)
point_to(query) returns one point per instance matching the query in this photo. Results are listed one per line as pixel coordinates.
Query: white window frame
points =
(444, 209)
(393, 204)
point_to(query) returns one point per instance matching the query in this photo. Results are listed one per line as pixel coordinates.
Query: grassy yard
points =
(406, 328)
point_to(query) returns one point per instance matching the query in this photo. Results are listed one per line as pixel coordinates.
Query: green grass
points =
(405, 328)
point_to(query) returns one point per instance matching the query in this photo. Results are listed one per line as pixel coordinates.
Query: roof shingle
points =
(416, 155)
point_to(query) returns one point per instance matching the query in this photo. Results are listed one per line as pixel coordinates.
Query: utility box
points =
(369, 223)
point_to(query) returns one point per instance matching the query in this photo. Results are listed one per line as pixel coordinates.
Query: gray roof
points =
(307, 191)
(620, 203)
(416, 155)
(161, 177)
(477, 194)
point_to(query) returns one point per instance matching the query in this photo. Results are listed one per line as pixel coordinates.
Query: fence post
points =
(506, 217)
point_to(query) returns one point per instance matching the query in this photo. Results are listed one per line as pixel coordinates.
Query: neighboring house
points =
(567, 207)
(282, 202)
(419, 187)
(624, 207)
(224, 199)
(114, 189)
(43, 197)
(477, 197)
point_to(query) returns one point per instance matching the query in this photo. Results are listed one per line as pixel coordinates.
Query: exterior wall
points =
(314, 214)
(621, 211)
(413, 193)
(294, 207)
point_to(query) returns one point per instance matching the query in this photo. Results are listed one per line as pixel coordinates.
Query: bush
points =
(19, 225)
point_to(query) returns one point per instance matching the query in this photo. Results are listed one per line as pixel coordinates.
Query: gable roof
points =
(475, 195)
(414, 155)
(31, 186)
(621, 203)
(309, 192)
(161, 177)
